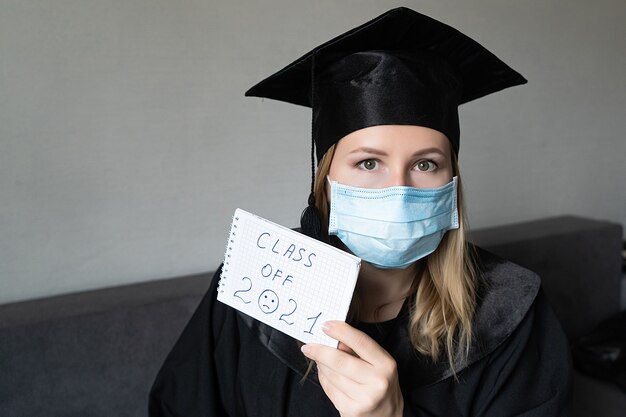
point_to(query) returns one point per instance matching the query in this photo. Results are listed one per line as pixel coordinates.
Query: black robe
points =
(228, 364)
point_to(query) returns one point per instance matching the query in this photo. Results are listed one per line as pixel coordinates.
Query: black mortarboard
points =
(400, 68)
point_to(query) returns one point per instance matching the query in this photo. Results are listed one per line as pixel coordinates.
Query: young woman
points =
(437, 327)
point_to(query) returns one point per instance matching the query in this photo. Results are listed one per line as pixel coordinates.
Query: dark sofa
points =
(96, 353)
(580, 264)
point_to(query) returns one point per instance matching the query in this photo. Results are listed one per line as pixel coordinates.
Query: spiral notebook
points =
(285, 279)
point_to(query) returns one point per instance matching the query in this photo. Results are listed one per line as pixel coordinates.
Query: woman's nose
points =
(399, 177)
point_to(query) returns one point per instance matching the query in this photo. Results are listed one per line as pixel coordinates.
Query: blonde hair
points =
(443, 294)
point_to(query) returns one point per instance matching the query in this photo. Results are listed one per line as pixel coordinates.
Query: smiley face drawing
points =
(268, 301)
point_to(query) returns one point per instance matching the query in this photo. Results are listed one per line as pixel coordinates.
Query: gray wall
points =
(126, 142)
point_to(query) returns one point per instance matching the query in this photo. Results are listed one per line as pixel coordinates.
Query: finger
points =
(345, 383)
(341, 362)
(340, 399)
(347, 393)
(363, 345)
(339, 381)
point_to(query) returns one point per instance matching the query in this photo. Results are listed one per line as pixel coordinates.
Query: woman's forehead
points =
(393, 138)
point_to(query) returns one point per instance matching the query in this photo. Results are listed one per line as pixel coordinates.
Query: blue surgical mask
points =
(392, 227)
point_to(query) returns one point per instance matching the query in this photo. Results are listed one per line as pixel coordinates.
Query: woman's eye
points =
(369, 164)
(425, 165)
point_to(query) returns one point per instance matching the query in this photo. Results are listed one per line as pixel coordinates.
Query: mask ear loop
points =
(310, 220)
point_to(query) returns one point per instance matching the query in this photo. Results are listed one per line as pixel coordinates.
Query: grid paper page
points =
(285, 279)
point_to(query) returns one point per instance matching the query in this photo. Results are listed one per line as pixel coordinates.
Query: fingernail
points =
(327, 326)
(305, 349)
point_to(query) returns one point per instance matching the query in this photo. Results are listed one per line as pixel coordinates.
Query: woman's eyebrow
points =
(364, 149)
(429, 150)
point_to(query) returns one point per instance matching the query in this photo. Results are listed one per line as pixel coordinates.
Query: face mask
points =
(392, 227)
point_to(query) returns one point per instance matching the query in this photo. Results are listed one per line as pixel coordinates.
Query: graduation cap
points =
(401, 68)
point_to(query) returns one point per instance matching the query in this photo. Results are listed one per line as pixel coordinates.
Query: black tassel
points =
(310, 220)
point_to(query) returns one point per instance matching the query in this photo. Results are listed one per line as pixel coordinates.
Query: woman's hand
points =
(360, 377)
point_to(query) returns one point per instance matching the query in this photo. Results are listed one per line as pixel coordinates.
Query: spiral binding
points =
(231, 240)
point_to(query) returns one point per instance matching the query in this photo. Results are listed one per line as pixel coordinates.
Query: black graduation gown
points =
(227, 364)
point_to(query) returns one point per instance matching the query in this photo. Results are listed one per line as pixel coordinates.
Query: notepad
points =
(285, 279)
